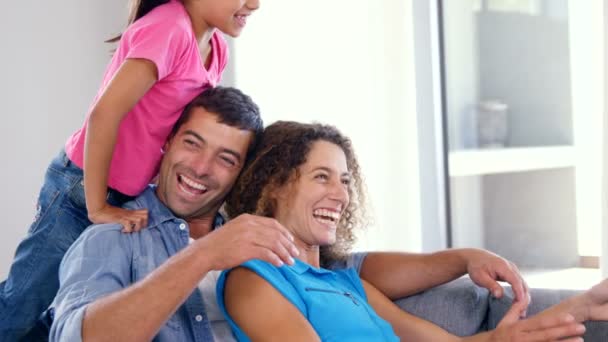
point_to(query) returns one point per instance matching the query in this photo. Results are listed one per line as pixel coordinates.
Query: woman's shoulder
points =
(261, 280)
(265, 271)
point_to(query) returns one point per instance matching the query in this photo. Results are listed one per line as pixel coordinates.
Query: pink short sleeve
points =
(160, 41)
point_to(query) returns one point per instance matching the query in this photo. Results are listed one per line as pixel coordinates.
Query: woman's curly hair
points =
(282, 149)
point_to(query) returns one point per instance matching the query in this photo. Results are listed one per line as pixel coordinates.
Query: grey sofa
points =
(463, 308)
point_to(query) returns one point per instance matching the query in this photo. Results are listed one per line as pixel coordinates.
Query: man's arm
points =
(100, 302)
(399, 275)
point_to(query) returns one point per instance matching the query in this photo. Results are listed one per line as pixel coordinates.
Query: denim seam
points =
(18, 288)
(33, 229)
(36, 251)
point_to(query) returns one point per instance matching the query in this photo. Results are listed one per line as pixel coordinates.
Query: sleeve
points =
(354, 260)
(274, 277)
(97, 264)
(162, 42)
(223, 53)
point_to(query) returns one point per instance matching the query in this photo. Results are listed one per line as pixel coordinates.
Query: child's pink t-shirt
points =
(165, 37)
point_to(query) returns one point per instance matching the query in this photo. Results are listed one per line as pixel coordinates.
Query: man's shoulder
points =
(101, 236)
(103, 230)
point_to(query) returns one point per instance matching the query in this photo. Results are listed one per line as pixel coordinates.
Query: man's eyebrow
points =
(193, 133)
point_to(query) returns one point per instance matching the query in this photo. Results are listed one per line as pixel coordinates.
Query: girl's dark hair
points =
(137, 9)
(282, 149)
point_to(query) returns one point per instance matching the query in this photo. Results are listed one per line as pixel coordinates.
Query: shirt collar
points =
(300, 267)
(158, 213)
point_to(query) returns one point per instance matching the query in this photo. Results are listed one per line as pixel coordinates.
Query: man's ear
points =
(165, 147)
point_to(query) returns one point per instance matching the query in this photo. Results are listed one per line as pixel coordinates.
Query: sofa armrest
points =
(459, 307)
(463, 308)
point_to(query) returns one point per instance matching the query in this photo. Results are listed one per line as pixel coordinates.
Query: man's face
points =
(200, 165)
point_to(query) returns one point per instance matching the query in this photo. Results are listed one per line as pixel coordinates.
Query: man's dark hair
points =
(232, 107)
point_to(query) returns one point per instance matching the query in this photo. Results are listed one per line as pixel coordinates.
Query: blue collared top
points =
(104, 260)
(334, 302)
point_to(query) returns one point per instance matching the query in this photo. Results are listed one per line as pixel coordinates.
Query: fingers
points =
(132, 220)
(563, 329)
(540, 328)
(512, 276)
(540, 322)
(250, 237)
(512, 316)
(276, 243)
(485, 280)
(269, 256)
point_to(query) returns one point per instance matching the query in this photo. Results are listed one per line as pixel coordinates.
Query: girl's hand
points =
(562, 327)
(131, 220)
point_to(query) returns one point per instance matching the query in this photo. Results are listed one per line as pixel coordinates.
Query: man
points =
(117, 286)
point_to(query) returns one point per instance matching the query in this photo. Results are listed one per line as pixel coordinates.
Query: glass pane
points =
(514, 110)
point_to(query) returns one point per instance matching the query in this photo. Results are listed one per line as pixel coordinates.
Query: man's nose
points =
(202, 164)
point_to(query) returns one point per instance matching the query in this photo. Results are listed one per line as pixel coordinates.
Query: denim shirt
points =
(104, 260)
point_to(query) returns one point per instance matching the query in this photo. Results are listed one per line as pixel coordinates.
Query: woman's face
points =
(311, 205)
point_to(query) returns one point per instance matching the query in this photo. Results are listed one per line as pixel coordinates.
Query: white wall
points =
(350, 64)
(51, 62)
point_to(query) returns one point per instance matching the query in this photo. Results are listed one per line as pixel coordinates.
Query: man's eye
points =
(228, 161)
(190, 142)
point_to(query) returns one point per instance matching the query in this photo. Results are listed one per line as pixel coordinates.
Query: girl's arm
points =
(132, 80)
(262, 312)
(409, 327)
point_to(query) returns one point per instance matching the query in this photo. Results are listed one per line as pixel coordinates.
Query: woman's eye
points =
(322, 177)
(346, 181)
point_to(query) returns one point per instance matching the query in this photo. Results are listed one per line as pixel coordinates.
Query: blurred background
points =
(478, 123)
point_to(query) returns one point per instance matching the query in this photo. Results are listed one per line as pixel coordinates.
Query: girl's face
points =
(228, 16)
(311, 205)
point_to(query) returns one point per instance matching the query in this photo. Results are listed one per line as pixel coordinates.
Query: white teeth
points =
(193, 184)
(327, 215)
(326, 221)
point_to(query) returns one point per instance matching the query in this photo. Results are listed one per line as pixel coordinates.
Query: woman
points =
(307, 177)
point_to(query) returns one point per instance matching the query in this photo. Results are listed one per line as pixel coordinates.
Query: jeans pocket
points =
(76, 194)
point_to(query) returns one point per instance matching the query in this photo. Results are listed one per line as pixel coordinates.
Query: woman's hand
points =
(131, 220)
(559, 326)
(595, 301)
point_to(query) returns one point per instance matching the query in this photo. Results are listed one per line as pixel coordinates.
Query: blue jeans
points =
(61, 217)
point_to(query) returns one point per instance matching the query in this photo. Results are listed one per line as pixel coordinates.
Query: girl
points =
(171, 51)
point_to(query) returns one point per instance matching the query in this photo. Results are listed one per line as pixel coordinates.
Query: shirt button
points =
(198, 318)
(182, 226)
